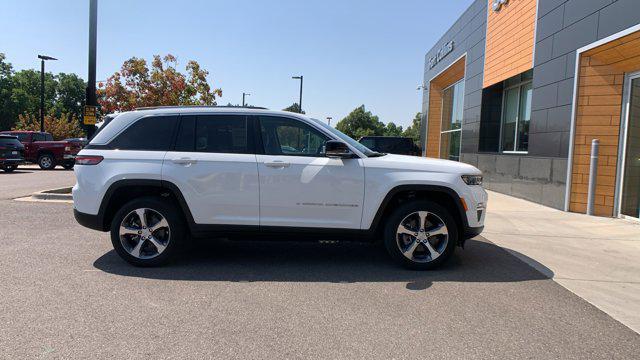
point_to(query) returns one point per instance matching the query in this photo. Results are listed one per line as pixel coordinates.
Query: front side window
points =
(284, 136)
(451, 126)
(152, 133)
(516, 116)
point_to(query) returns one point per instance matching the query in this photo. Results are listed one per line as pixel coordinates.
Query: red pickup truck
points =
(40, 148)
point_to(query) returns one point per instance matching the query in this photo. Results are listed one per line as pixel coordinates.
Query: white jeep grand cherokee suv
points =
(155, 176)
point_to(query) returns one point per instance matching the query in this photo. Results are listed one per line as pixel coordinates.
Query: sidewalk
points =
(596, 258)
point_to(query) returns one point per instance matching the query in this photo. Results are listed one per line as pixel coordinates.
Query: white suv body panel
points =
(92, 182)
(219, 188)
(312, 192)
(239, 189)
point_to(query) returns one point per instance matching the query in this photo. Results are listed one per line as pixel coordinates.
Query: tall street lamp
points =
(243, 96)
(42, 58)
(329, 120)
(300, 101)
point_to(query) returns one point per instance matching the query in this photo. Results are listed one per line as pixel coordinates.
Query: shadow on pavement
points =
(247, 261)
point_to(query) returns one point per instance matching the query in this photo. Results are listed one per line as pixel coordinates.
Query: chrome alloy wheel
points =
(422, 236)
(46, 161)
(144, 233)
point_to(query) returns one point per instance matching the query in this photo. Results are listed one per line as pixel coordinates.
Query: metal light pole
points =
(91, 99)
(42, 58)
(301, 78)
(329, 120)
(243, 96)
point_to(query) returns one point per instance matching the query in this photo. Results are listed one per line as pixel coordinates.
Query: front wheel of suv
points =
(420, 235)
(147, 232)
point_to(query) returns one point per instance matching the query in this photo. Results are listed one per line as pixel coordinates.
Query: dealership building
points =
(520, 88)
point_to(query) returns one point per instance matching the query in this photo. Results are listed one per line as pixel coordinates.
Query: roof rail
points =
(198, 106)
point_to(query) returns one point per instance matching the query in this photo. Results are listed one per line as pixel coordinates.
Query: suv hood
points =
(416, 163)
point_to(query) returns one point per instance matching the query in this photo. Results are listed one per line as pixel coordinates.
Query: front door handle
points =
(184, 161)
(277, 164)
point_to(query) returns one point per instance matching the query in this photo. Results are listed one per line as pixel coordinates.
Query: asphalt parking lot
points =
(66, 294)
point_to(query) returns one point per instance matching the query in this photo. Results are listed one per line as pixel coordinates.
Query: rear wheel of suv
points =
(420, 235)
(147, 232)
(46, 162)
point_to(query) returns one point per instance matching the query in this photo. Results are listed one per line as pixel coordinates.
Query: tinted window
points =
(38, 137)
(21, 136)
(148, 133)
(220, 134)
(9, 142)
(283, 136)
(187, 134)
(48, 137)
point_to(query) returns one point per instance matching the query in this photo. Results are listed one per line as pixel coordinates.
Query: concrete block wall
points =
(538, 179)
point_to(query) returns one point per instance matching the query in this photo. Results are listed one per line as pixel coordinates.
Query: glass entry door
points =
(630, 194)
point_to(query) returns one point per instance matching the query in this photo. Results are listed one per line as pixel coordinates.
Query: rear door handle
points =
(277, 164)
(184, 161)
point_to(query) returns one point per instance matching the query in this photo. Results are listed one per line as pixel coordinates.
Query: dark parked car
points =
(391, 145)
(11, 152)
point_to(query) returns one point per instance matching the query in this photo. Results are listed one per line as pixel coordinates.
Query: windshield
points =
(363, 149)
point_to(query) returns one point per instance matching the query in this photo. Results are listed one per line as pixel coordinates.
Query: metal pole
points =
(91, 81)
(329, 120)
(42, 95)
(300, 103)
(243, 99)
(593, 173)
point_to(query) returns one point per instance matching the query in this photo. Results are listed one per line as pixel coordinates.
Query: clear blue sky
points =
(351, 52)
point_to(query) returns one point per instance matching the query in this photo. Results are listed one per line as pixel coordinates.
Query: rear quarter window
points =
(151, 133)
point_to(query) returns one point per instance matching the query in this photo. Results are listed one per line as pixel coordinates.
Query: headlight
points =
(472, 179)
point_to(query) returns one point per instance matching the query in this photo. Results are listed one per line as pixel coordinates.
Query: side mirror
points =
(337, 149)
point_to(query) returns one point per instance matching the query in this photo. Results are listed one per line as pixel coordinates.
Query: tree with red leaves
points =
(135, 85)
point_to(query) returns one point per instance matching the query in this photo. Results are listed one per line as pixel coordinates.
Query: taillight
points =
(67, 148)
(88, 159)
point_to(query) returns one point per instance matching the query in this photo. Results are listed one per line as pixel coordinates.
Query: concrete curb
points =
(53, 194)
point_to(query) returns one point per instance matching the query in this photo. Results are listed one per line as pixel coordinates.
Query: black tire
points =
(392, 241)
(46, 162)
(177, 234)
(9, 168)
(68, 166)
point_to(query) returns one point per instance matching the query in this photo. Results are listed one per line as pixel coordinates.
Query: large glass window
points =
(516, 116)
(284, 136)
(451, 127)
(149, 133)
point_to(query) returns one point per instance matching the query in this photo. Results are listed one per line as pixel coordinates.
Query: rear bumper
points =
(88, 220)
(16, 161)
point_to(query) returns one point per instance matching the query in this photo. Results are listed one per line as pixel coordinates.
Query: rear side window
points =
(48, 137)
(214, 134)
(38, 137)
(153, 133)
(5, 141)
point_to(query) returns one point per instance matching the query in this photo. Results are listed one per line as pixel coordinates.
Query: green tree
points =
(7, 115)
(293, 108)
(361, 122)
(392, 129)
(70, 95)
(413, 131)
(25, 95)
